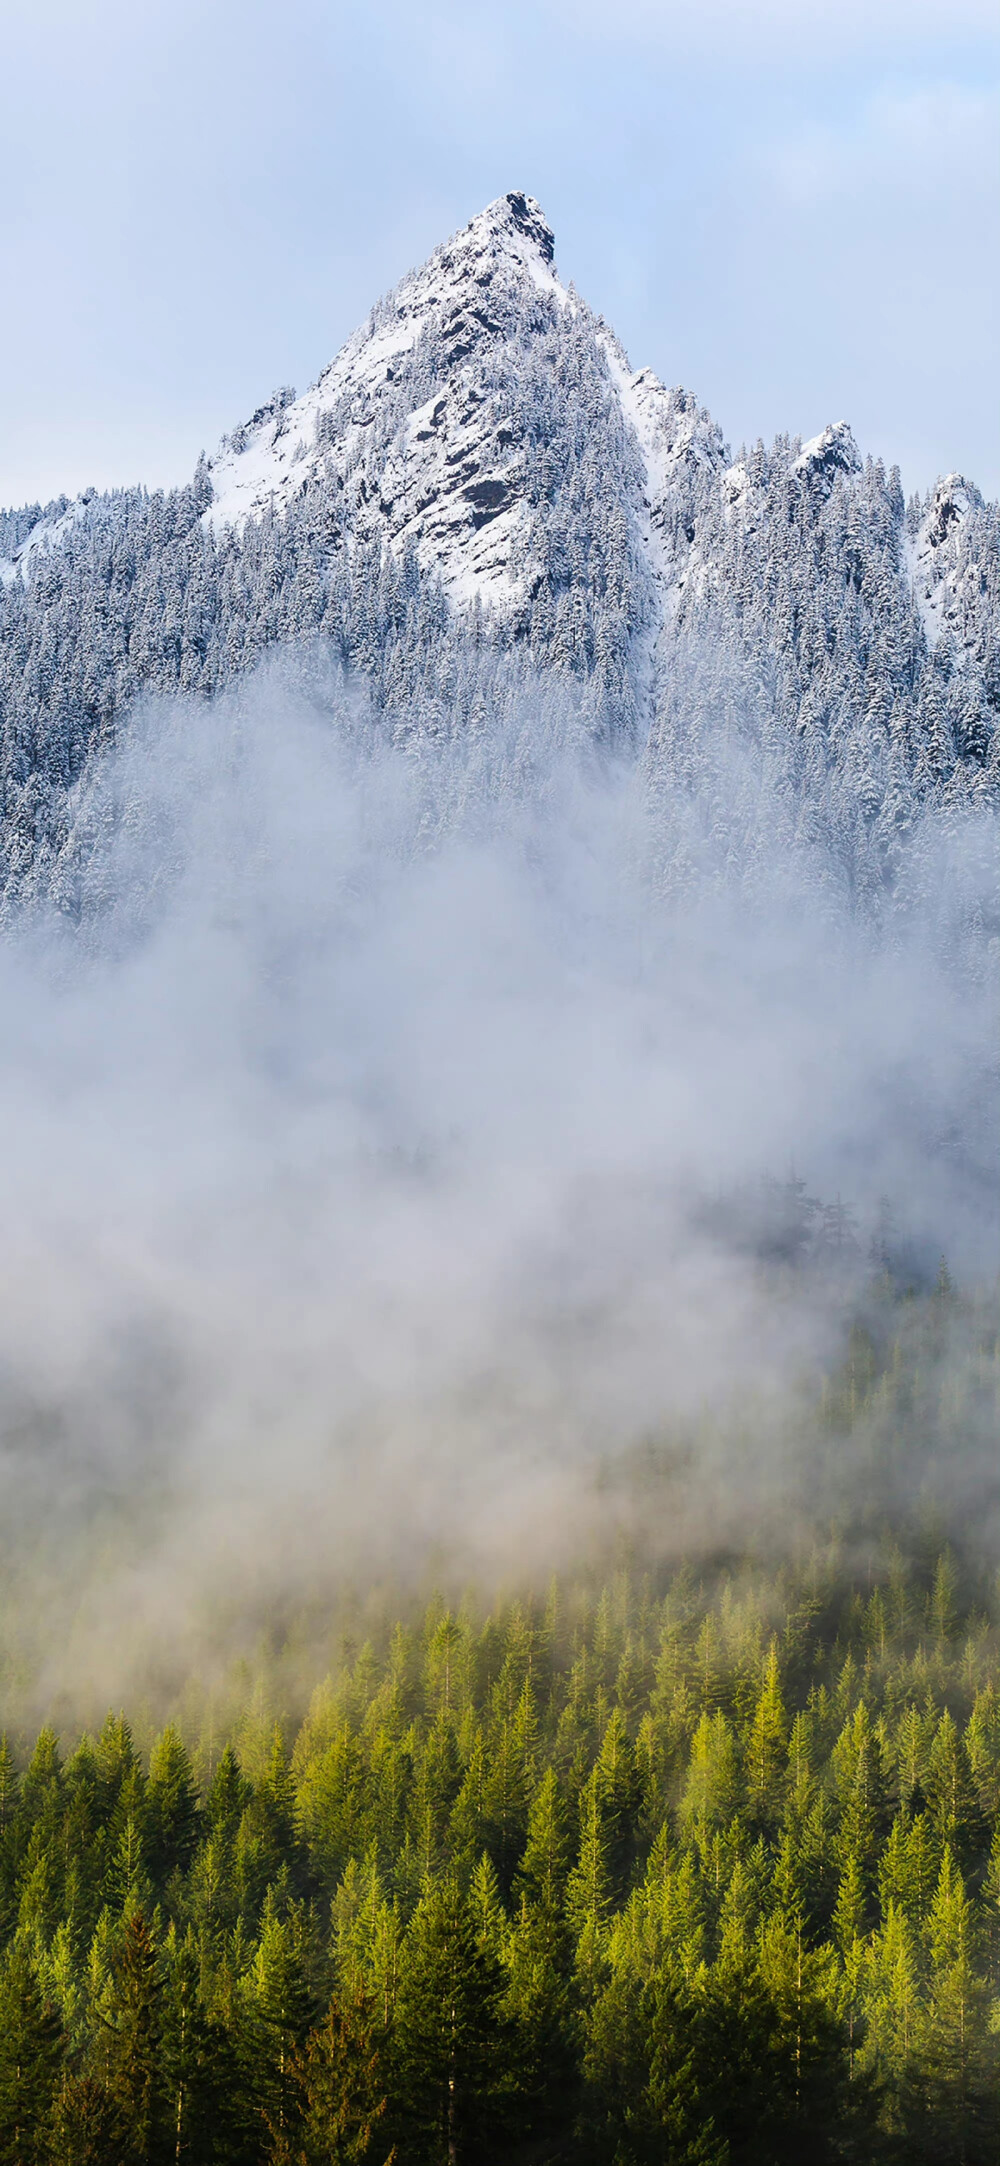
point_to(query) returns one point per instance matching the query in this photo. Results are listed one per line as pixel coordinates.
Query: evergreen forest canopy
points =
(685, 1864)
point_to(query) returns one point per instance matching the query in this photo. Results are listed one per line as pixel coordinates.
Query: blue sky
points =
(789, 206)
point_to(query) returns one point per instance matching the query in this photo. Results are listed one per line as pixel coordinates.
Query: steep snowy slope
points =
(448, 473)
(441, 468)
(954, 580)
(44, 534)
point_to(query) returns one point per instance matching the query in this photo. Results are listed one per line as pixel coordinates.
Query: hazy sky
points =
(789, 206)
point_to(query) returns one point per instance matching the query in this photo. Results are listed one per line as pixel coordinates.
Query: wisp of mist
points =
(372, 1118)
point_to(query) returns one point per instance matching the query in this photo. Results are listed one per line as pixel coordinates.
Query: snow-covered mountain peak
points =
(816, 465)
(952, 499)
(407, 419)
(514, 223)
(48, 533)
(478, 496)
(940, 574)
(823, 457)
(430, 423)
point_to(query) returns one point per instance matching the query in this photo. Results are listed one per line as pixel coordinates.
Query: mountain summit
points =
(410, 416)
(479, 489)
(430, 418)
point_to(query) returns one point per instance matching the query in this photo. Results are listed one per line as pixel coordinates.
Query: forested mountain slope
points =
(414, 1177)
(691, 1866)
(478, 490)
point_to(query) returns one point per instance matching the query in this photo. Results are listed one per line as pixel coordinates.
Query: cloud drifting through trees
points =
(378, 1140)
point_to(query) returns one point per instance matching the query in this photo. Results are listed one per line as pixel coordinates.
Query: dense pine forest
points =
(670, 1861)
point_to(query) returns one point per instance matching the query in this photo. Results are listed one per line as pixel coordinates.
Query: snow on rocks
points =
(47, 535)
(823, 457)
(436, 468)
(937, 565)
(406, 426)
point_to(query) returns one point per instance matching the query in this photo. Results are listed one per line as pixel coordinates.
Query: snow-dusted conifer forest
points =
(478, 494)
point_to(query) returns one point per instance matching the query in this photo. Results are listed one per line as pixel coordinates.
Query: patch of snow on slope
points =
(934, 557)
(47, 536)
(679, 442)
(674, 434)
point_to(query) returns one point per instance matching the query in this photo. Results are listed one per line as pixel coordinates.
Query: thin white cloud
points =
(830, 29)
(927, 141)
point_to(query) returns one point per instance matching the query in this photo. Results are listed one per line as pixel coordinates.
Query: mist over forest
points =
(409, 1139)
(499, 1572)
(499, 1377)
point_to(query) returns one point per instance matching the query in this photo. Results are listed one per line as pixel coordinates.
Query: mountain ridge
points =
(479, 486)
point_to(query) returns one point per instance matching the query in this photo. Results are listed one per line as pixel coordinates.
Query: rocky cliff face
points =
(426, 421)
(409, 426)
